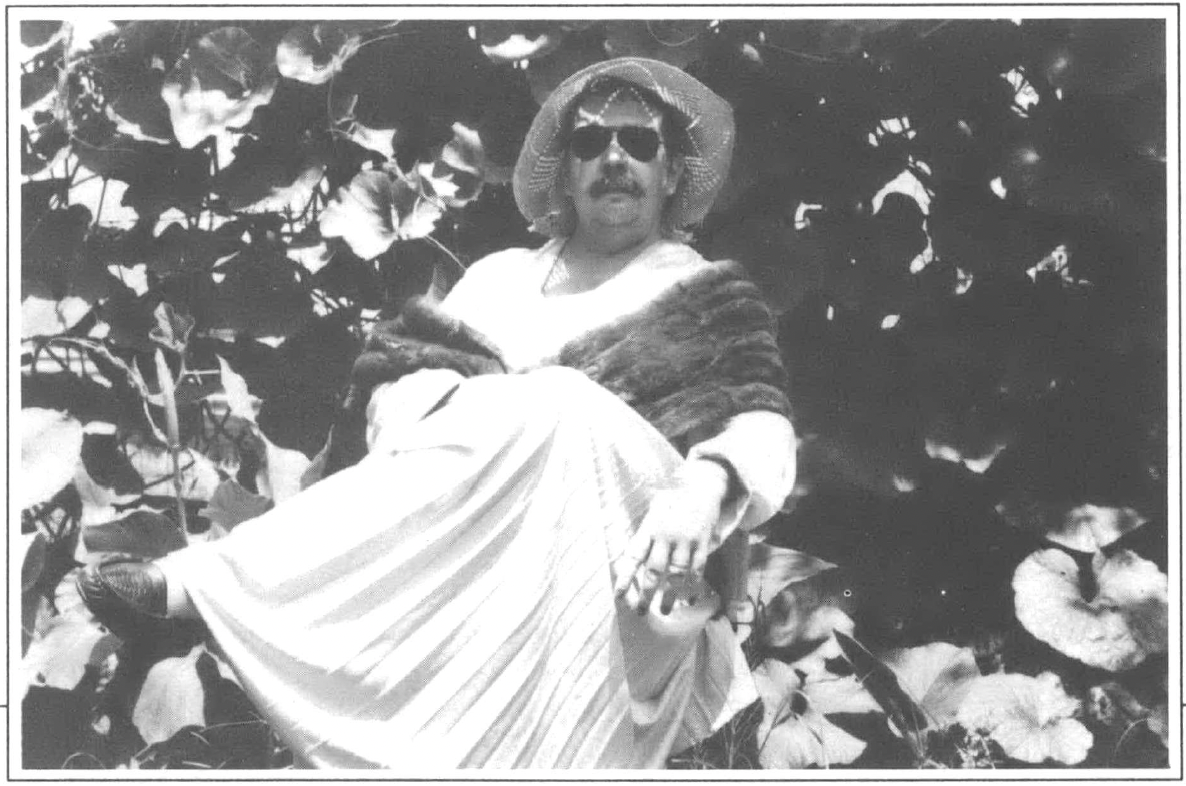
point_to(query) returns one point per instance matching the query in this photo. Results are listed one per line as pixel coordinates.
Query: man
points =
(445, 599)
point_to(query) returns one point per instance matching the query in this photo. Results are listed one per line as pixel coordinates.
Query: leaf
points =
(828, 39)
(239, 400)
(261, 293)
(1030, 717)
(1090, 528)
(217, 84)
(378, 208)
(171, 698)
(179, 250)
(1118, 629)
(97, 501)
(506, 41)
(36, 33)
(980, 233)
(199, 478)
(46, 316)
(883, 684)
(795, 732)
(280, 477)
(271, 176)
(53, 255)
(674, 41)
(72, 641)
(105, 463)
(131, 89)
(763, 244)
(810, 609)
(936, 676)
(33, 559)
(380, 140)
(172, 328)
(465, 153)
(546, 73)
(51, 445)
(771, 568)
(973, 438)
(231, 505)
(315, 53)
(38, 83)
(142, 533)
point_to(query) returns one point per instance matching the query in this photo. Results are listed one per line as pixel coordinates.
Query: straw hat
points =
(707, 145)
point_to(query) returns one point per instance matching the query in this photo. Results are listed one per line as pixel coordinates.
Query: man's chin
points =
(618, 212)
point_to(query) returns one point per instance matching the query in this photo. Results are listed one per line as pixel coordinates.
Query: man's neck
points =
(605, 247)
(581, 268)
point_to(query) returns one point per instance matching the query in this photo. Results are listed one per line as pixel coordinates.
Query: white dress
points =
(447, 602)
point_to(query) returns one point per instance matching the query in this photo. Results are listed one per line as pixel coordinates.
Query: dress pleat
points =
(448, 602)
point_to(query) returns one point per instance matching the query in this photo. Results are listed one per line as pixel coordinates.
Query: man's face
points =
(614, 189)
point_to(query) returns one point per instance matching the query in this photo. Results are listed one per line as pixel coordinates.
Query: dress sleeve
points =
(759, 448)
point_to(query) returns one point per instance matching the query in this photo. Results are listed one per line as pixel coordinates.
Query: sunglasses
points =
(640, 142)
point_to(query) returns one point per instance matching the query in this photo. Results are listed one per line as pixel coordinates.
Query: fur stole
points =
(701, 353)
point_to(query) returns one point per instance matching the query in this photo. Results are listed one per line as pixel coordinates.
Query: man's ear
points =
(675, 170)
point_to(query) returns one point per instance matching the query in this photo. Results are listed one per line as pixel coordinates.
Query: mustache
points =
(615, 183)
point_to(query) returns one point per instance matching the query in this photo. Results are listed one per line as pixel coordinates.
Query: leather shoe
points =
(127, 594)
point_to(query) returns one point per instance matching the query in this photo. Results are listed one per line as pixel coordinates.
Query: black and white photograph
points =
(507, 391)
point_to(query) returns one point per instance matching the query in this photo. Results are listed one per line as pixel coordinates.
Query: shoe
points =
(127, 594)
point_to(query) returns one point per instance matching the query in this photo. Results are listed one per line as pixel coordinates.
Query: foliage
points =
(960, 223)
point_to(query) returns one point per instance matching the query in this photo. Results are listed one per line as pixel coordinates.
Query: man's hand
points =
(672, 543)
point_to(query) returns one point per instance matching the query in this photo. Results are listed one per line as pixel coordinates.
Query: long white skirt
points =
(448, 603)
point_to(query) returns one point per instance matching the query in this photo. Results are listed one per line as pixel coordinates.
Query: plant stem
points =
(173, 432)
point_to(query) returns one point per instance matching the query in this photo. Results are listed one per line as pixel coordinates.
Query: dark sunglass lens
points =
(587, 142)
(641, 143)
